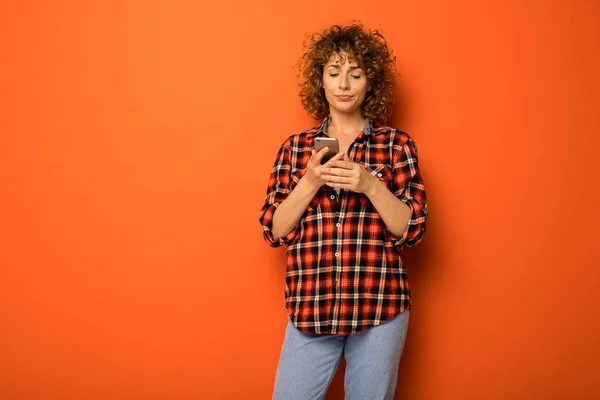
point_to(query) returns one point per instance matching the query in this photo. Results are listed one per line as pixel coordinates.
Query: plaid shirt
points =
(344, 271)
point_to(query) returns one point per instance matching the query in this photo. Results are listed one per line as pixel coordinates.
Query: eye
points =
(333, 75)
(356, 76)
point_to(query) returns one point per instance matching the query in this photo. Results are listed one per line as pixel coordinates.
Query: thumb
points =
(318, 156)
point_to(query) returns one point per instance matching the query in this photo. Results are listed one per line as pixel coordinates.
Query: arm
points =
(403, 211)
(287, 215)
(395, 214)
(410, 192)
(283, 206)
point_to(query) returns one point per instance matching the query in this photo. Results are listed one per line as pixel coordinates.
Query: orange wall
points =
(136, 143)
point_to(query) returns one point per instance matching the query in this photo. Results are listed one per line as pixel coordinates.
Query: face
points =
(345, 84)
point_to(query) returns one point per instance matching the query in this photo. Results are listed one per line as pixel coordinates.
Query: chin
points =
(347, 110)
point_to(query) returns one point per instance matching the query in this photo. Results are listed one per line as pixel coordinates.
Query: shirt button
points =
(379, 175)
(338, 224)
(337, 254)
(332, 197)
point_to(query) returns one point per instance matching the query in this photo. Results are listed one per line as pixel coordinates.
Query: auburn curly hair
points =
(369, 49)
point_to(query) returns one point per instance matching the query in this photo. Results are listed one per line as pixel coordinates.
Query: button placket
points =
(337, 235)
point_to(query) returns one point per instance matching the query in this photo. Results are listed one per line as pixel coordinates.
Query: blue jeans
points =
(308, 362)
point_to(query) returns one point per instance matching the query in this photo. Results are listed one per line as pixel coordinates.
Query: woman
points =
(344, 223)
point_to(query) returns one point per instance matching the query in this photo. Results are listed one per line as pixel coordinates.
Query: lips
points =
(344, 97)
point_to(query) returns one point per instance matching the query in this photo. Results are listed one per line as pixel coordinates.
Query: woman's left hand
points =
(346, 174)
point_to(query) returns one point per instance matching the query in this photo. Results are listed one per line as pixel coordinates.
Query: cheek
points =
(328, 95)
(328, 82)
(364, 90)
(363, 95)
(327, 88)
(361, 89)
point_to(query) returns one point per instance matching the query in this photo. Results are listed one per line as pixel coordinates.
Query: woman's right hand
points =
(313, 174)
(290, 211)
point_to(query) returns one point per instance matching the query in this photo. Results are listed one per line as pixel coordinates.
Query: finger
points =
(321, 154)
(336, 171)
(346, 158)
(340, 185)
(339, 179)
(343, 164)
(324, 150)
(333, 159)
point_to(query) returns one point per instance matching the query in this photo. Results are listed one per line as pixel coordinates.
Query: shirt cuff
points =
(399, 240)
(267, 224)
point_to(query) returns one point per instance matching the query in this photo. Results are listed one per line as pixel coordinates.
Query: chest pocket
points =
(384, 174)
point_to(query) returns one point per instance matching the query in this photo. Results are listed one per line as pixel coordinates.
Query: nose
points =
(344, 82)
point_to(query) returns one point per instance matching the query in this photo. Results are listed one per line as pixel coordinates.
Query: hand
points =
(346, 174)
(313, 173)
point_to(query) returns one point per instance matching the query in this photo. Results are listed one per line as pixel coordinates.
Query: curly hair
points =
(369, 49)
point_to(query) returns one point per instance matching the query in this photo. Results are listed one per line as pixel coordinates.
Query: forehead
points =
(342, 58)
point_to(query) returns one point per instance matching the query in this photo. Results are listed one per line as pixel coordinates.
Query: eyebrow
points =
(339, 66)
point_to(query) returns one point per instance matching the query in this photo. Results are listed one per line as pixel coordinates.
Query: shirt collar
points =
(367, 130)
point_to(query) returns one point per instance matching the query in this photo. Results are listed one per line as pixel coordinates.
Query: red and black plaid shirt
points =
(344, 271)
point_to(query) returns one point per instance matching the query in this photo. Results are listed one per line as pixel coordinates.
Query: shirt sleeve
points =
(277, 191)
(409, 188)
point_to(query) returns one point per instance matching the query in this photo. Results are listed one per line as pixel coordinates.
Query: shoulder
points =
(299, 140)
(394, 137)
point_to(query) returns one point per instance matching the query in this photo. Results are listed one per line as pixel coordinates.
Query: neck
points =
(345, 124)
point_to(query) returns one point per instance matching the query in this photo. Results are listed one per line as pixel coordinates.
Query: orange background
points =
(136, 142)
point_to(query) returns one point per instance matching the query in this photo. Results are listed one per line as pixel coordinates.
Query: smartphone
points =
(332, 143)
